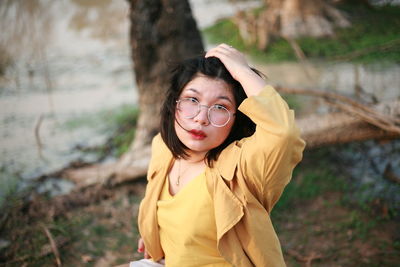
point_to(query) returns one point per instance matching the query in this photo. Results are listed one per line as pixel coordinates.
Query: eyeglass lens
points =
(218, 115)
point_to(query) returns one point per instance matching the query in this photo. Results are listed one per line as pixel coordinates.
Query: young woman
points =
(227, 149)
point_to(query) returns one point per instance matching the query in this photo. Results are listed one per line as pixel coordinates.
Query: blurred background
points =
(76, 77)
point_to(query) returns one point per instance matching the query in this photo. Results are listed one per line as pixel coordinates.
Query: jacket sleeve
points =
(269, 156)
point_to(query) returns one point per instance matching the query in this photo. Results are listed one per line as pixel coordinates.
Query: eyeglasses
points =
(217, 115)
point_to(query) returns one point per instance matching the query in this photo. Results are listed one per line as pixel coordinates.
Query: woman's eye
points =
(219, 107)
(192, 99)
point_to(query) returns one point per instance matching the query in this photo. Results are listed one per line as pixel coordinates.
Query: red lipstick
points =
(198, 135)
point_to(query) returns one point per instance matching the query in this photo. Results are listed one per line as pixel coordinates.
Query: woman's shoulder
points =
(158, 146)
(160, 153)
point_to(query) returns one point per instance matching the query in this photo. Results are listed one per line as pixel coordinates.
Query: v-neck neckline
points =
(202, 173)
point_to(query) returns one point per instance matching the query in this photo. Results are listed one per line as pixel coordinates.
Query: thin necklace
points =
(179, 172)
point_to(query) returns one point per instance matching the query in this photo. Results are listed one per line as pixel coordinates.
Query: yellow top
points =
(187, 227)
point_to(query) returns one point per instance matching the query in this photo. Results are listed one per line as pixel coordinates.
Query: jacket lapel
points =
(148, 216)
(159, 165)
(228, 208)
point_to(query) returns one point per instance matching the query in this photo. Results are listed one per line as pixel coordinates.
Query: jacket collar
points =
(228, 160)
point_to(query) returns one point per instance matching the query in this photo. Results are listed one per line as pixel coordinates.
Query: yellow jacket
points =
(246, 181)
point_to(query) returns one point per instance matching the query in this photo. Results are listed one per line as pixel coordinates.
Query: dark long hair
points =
(181, 75)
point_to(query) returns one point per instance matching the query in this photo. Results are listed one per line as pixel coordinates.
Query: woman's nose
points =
(202, 116)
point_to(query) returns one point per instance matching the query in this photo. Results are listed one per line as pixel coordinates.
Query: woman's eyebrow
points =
(194, 90)
(219, 97)
(225, 98)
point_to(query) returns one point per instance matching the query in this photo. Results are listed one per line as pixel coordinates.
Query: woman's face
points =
(197, 133)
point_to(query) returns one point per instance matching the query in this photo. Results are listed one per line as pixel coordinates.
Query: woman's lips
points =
(199, 135)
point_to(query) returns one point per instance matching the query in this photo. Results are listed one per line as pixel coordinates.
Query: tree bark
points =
(291, 19)
(162, 32)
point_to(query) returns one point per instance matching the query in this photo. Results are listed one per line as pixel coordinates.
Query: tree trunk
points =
(162, 32)
(291, 19)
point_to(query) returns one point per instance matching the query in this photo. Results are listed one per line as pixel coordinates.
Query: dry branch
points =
(387, 122)
(38, 140)
(112, 173)
(338, 128)
(53, 245)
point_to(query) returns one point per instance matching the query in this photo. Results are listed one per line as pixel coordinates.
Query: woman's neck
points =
(195, 157)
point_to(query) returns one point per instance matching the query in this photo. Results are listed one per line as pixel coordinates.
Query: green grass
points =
(225, 31)
(315, 177)
(125, 120)
(119, 123)
(308, 185)
(105, 119)
(357, 222)
(293, 102)
(314, 215)
(370, 32)
(8, 187)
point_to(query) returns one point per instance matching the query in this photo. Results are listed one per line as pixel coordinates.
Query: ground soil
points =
(319, 228)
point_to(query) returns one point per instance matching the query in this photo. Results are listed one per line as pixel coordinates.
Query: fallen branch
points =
(53, 245)
(387, 122)
(340, 128)
(131, 166)
(37, 137)
(372, 117)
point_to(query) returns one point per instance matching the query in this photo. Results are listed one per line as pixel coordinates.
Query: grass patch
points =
(91, 233)
(357, 223)
(293, 102)
(8, 187)
(120, 123)
(126, 120)
(226, 31)
(309, 183)
(105, 119)
(373, 36)
(314, 217)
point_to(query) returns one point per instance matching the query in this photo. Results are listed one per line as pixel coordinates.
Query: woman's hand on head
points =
(142, 249)
(233, 60)
(236, 63)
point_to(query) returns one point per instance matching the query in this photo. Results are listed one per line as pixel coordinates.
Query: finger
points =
(146, 255)
(219, 53)
(224, 51)
(226, 46)
(222, 48)
(141, 247)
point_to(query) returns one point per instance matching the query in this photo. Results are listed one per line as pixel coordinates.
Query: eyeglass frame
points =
(208, 111)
